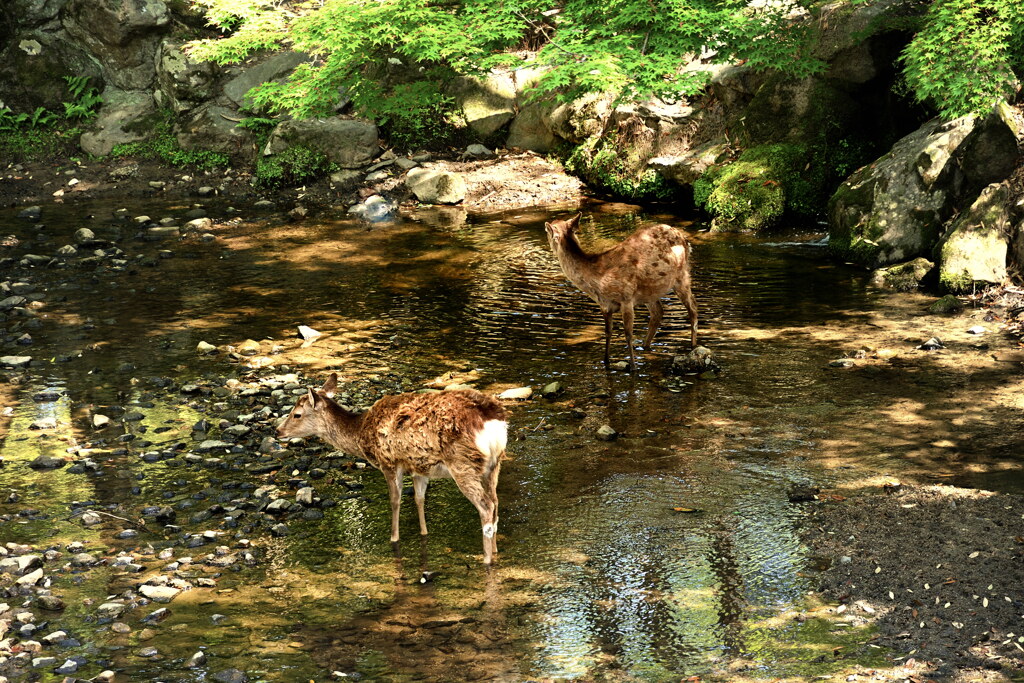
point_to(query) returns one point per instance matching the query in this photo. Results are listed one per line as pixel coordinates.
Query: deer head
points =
(310, 416)
(561, 230)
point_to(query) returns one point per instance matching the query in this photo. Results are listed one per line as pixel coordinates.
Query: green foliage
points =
(163, 146)
(964, 58)
(37, 144)
(85, 99)
(293, 166)
(413, 115)
(631, 47)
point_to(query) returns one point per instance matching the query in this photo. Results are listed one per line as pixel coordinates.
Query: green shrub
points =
(293, 166)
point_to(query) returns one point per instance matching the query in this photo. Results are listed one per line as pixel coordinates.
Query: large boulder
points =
(530, 130)
(436, 187)
(122, 34)
(487, 104)
(215, 128)
(894, 209)
(32, 67)
(182, 83)
(114, 123)
(582, 118)
(257, 70)
(688, 165)
(976, 246)
(349, 143)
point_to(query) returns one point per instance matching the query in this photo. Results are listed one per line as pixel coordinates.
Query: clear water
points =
(599, 577)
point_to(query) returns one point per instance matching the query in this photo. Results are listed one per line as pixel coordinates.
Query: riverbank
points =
(512, 180)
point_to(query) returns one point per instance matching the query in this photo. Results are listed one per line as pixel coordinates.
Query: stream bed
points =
(671, 551)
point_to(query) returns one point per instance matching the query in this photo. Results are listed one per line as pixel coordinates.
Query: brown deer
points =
(644, 267)
(457, 434)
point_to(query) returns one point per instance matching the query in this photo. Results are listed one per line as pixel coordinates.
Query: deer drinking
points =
(644, 267)
(458, 434)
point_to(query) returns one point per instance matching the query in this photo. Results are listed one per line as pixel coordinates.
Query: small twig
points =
(540, 424)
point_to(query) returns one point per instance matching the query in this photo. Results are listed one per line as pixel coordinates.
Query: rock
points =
(204, 347)
(12, 302)
(111, 610)
(47, 462)
(975, 248)
(182, 82)
(273, 68)
(903, 277)
(100, 421)
(516, 394)
(230, 676)
(84, 237)
(308, 333)
(349, 143)
(931, 345)
(213, 127)
(530, 130)
(977, 329)
(842, 363)
(50, 603)
(803, 494)
(947, 304)
(43, 662)
(212, 445)
(551, 389)
(159, 593)
(31, 578)
(374, 209)
(893, 209)
(699, 360)
(118, 121)
(20, 565)
(91, 519)
(198, 225)
(249, 347)
(69, 666)
(304, 495)
(15, 361)
(478, 151)
(607, 433)
(436, 187)
(488, 103)
(123, 35)
(196, 660)
(31, 213)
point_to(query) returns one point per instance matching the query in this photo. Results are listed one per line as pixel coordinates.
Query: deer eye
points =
(296, 416)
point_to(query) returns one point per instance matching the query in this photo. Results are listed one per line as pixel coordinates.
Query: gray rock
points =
(31, 578)
(903, 277)
(197, 660)
(12, 302)
(478, 151)
(276, 67)
(373, 209)
(31, 213)
(15, 361)
(436, 187)
(69, 666)
(304, 495)
(111, 610)
(487, 104)
(551, 389)
(117, 121)
(182, 82)
(205, 347)
(159, 593)
(976, 246)
(84, 236)
(947, 304)
(20, 565)
(516, 394)
(230, 676)
(607, 433)
(308, 333)
(47, 462)
(213, 127)
(530, 130)
(349, 143)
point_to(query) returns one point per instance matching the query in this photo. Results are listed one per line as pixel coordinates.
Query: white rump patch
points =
(490, 529)
(491, 440)
(679, 251)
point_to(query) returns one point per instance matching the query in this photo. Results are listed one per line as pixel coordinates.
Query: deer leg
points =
(492, 489)
(627, 324)
(685, 295)
(609, 326)
(394, 479)
(419, 486)
(473, 488)
(657, 312)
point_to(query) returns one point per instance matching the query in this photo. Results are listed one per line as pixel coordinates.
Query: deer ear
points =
(574, 222)
(330, 385)
(315, 402)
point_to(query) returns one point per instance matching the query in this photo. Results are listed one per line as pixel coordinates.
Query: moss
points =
(616, 164)
(163, 146)
(956, 281)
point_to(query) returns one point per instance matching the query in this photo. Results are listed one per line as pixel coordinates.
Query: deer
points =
(459, 434)
(641, 269)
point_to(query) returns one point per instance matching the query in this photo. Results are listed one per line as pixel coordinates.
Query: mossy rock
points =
(903, 277)
(947, 304)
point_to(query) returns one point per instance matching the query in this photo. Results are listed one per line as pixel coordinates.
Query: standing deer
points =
(644, 267)
(457, 434)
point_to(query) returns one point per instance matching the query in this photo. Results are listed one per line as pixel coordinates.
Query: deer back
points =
(420, 431)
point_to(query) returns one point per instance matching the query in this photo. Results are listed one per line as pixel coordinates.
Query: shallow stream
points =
(672, 551)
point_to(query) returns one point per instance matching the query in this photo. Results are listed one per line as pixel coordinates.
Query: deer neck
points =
(579, 266)
(342, 429)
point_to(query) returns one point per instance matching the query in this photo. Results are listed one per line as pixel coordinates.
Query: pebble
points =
(607, 433)
(516, 394)
(196, 660)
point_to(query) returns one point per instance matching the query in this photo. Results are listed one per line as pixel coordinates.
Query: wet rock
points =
(516, 394)
(697, 361)
(47, 462)
(91, 519)
(249, 348)
(551, 389)
(69, 666)
(20, 565)
(84, 237)
(803, 494)
(436, 187)
(231, 676)
(148, 652)
(279, 530)
(373, 209)
(43, 662)
(204, 347)
(111, 610)
(15, 361)
(31, 213)
(947, 304)
(50, 603)
(100, 421)
(30, 579)
(977, 329)
(304, 495)
(12, 302)
(196, 660)
(607, 433)
(159, 593)
(212, 445)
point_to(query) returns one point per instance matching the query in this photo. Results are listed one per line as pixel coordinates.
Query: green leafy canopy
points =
(631, 47)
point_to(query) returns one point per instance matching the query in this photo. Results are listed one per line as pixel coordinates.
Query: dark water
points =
(599, 576)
